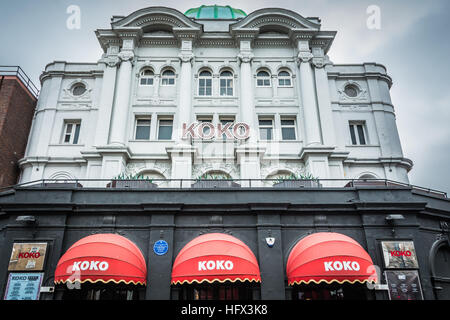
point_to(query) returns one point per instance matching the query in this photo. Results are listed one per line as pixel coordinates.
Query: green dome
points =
(215, 12)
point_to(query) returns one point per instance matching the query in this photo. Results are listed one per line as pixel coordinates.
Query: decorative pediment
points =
(159, 16)
(275, 20)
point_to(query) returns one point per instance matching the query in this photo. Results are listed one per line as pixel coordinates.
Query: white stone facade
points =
(303, 85)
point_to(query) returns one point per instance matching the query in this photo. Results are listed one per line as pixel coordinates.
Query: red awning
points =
(329, 257)
(102, 258)
(215, 257)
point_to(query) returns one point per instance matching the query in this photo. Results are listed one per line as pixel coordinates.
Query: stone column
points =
(248, 155)
(182, 153)
(247, 93)
(122, 100)
(185, 97)
(106, 98)
(308, 94)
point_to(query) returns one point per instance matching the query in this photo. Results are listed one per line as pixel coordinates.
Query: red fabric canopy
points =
(329, 257)
(102, 258)
(215, 257)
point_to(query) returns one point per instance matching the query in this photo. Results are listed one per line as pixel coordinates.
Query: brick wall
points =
(16, 113)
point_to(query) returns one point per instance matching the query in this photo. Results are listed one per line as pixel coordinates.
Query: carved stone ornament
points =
(186, 57)
(318, 62)
(245, 57)
(113, 61)
(126, 55)
(304, 56)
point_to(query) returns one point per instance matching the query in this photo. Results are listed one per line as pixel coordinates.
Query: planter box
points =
(60, 185)
(215, 184)
(298, 184)
(131, 184)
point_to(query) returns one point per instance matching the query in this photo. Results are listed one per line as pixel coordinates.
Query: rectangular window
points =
(71, 132)
(288, 129)
(226, 87)
(358, 133)
(224, 121)
(284, 82)
(165, 129)
(206, 130)
(146, 81)
(266, 129)
(263, 82)
(142, 129)
(205, 87)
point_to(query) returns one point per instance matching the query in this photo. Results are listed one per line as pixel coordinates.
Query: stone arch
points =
(155, 175)
(274, 19)
(217, 172)
(62, 175)
(367, 175)
(439, 261)
(167, 66)
(159, 16)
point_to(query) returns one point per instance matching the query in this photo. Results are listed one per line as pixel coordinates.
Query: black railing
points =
(16, 71)
(145, 184)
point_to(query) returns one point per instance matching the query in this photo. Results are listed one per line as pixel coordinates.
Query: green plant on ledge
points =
(211, 177)
(293, 176)
(124, 176)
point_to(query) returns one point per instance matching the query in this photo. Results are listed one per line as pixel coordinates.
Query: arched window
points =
(263, 79)
(284, 79)
(205, 83)
(146, 77)
(226, 83)
(168, 78)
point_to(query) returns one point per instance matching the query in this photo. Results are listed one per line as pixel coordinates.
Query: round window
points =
(78, 89)
(351, 91)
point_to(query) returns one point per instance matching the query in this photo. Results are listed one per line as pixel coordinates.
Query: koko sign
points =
(209, 131)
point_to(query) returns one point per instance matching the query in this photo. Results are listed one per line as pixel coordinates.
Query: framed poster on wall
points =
(27, 257)
(399, 255)
(23, 286)
(403, 285)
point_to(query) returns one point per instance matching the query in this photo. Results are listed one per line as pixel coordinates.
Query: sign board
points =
(23, 286)
(209, 131)
(160, 247)
(403, 285)
(399, 255)
(27, 257)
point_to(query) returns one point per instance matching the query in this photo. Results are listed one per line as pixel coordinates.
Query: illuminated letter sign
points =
(240, 131)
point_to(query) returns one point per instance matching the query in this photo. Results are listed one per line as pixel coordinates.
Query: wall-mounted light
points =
(30, 220)
(394, 217)
(270, 240)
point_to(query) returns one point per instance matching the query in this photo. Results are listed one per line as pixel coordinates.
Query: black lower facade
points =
(372, 216)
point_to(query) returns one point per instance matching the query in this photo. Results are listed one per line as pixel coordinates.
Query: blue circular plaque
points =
(160, 247)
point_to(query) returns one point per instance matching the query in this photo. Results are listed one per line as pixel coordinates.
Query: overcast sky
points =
(413, 43)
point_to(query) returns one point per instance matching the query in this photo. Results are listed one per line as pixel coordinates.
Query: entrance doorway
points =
(344, 291)
(216, 291)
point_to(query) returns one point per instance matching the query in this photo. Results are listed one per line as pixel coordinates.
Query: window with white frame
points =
(284, 79)
(226, 83)
(142, 131)
(224, 120)
(168, 78)
(358, 133)
(263, 79)
(71, 131)
(204, 119)
(288, 126)
(165, 126)
(146, 77)
(205, 83)
(266, 128)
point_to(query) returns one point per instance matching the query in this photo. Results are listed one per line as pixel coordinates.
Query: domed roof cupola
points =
(215, 12)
